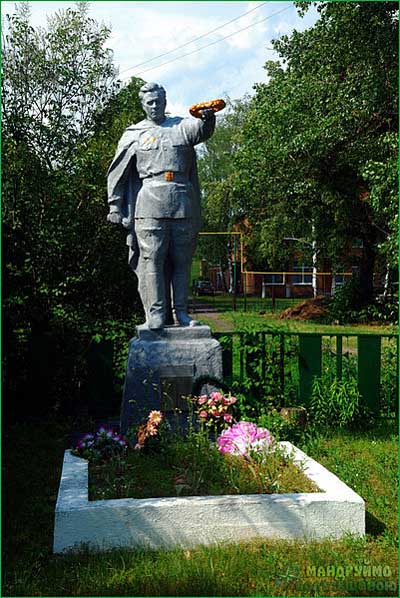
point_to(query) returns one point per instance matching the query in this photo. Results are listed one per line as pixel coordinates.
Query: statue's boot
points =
(181, 289)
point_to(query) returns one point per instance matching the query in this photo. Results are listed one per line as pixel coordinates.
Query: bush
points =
(343, 307)
(385, 311)
(337, 403)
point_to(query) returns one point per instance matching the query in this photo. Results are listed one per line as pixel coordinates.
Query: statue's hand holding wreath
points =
(204, 110)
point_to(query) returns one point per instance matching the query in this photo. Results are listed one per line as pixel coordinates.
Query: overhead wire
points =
(213, 43)
(195, 39)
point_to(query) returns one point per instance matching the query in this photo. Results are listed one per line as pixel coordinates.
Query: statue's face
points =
(154, 105)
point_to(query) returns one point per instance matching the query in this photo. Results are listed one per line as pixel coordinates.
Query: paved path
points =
(214, 320)
(211, 317)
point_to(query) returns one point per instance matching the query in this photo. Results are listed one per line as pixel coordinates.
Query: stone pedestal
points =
(163, 365)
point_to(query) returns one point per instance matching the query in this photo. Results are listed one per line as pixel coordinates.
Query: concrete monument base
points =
(334, 512)
(162, 366)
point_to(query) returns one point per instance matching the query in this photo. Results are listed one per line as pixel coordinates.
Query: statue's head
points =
(154, 101)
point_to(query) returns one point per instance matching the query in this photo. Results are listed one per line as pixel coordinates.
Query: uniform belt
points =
(169, 176)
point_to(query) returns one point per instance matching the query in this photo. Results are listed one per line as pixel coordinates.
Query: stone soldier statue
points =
(153, 190)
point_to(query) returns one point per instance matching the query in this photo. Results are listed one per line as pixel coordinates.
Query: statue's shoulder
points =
(173, 120)
(138, 127)
(183, 122)
(131, 134)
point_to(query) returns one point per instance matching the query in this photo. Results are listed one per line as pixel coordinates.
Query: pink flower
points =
(217, 396)
(228, 418)
(201, 400)
(203, 414)
(229, 400)
(244, 437)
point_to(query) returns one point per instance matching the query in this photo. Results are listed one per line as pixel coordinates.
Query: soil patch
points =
(310, 309)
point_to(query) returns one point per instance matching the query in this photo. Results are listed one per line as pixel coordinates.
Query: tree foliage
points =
(216, 168)
(65, 269)
(55, 80)
(318, 146)
(220, 210)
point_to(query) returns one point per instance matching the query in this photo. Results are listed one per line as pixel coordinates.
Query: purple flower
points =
(104, 443)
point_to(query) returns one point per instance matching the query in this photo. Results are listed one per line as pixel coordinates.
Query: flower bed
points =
(193, 467)
(334, 512)
(215, 492)
(158, 463)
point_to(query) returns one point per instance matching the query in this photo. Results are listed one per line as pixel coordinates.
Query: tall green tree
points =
(55, 80)
(318, 149)
(65, 268)
(63, 113)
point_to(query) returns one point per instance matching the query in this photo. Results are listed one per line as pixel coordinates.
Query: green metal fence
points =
(284, 365)
(224, 302)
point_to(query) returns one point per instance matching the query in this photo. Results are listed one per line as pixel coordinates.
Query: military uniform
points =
(153, 183)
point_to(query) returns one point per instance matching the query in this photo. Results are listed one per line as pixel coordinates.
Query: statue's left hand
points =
(127, 222)
(114, 217)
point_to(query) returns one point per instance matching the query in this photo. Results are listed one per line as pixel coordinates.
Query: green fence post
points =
(227, 355)
(339, 357)
(282, 365)
(310, 346)
(263, 354)
(244, 293)
(234, 275)
(241, 356)
(397, 375)
(369, 370)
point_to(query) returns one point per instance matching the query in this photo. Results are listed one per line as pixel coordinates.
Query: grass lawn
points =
(351, 567)
(235, 321)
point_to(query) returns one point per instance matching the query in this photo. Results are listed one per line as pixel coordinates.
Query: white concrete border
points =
(188, 521)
